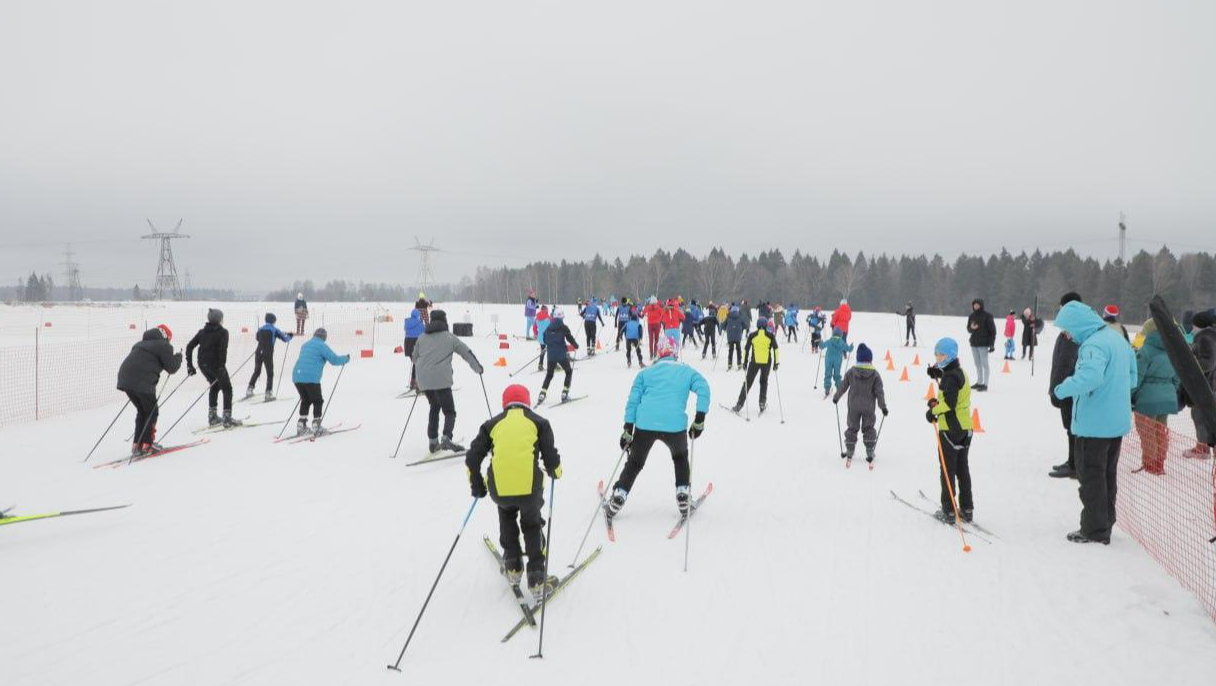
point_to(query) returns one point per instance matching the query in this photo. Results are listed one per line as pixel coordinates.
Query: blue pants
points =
(528, 331)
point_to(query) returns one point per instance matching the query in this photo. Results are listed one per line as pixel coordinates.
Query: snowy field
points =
(247, 562)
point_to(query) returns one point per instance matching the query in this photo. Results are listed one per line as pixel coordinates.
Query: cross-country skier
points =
(433, 361)
(424, 307)
(623, 312)
(951, 411)
(212, 344)
(864, 386)
(138, 376)
(529, 314)
(734, 339)
(745, 311)
(776, 318)
(672, 318)
(301, 310)
(791, 323)
(910, 324)
(762, 355)
(591, 315)
(557, 335)
(264, 355)
(306, 376)
(543, 320)
(833, 359)
(415, 326)
(841, 318)
(656, 411)
(816, 321)
(519, 439)
(709, 331)
(633, 340)
(688, 328)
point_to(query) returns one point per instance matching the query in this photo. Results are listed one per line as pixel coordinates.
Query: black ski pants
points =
(263, 358)
(909, 331)
(620, 333)
(589, 329)
(958, 470)
(711, 341)
(643, 441)
(791, 332)
(522, 513)
(1066, 418)
(734, 351)
(634, 345)
(752, 369)
(310, 397)
(409, 351)
(441, 400)
(566, 366)
(145, 416)
(220, 383)
(1097, 470)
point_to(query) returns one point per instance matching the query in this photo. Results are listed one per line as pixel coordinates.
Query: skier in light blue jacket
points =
(306, 376)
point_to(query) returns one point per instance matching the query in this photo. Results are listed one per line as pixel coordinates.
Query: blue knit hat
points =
(947, 347)
(864, 354)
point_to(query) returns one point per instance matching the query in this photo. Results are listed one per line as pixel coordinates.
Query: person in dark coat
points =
(212, 344)
(864, 386)
(1204, 348)
(138, 376)
(263, 356)
(1063, 364)
(983, 341)
(1031, 328)
(301, 310)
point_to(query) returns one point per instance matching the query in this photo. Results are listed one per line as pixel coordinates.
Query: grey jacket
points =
(433, 357)
(864, 386)
(140, 372)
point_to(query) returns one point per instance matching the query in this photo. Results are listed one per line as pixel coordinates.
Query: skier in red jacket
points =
(841, 318)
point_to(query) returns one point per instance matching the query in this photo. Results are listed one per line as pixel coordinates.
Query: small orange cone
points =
(598, 345)
(975, 421)
(916, 360)
(1005, 369)
(888, 357)
(932, 392)
(904, 376)
(502, 362)
(890, 365)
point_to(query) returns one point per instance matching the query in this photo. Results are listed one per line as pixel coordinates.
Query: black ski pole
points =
(107, 431)
(540, 643)
(599, 506)
(396, 666)
(486, 395)
(407, 425)
(525, 366)
(288, 421)
(692, 454)
(839, 438)
(283, 368)
(780, 406)
(161, 403)
(200, 397)
(332, 392)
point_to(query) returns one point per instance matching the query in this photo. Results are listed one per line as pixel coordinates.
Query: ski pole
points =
(485, 395)
(780, 406)
(540, 643)
(396, 666)
(599, 506)
(407, 425)
(958, 521)
(200, 397)
(288, 420)
(839, 439)
(332, 392)
(107, 431)
(279, 386)
(526, 364)
(161, 403)
(818, 364)
(692, 454)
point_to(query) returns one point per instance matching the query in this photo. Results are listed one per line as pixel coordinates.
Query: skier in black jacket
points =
(1063, 364)
(910, 325)
(983, 341)
(212, 344)
(264, 355)
(138, 376)
(709, 331)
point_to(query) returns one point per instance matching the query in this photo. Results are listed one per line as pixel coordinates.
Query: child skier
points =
(433, 360)
(688, 328)
(835, 350)
(672, 318)
(951, 411)
(138, 376)
(1011, 330)
(865, 389)
(709, 331)
(815, 322)
(212, 344)
(656, 411)
(529, 314)
(543, 320)
(633, 340)
(557, 335)
(791, 323)
(306, 376)
(762, 355)
(734, 338)
(623, 312)
(264, 355)
(517, 437)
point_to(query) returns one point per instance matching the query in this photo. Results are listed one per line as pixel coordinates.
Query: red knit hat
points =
(166, 330)
(516, 394)
(1111, 312)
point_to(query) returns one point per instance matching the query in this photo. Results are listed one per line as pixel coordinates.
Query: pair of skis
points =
(220, 428)
(559, 403)
(311, 436)
(675, 531)
(529, 612)
(6, 519)
(114, 464)
(848, 463)
(971, 528)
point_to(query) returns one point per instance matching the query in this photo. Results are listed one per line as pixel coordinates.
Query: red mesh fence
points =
(1167, 501)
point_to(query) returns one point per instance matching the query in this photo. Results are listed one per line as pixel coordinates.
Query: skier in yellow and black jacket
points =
(520, 440)
(761, 354)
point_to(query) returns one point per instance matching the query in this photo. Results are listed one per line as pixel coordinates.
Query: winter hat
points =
(321, 333)
(516, 394)
(215, 316)
(164, 329)
(761, 322)
(1012, 313)
(667, 347)
(270, 318)
(844, 301)
(1071, 296)
(1203, 320)
(299, 296)
(1111, 313)
(837, 331)
(439, 316)
(864, 354)
(1027, 312)
(947, 347)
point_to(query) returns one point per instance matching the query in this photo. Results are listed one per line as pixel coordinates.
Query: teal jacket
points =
(836, 348)
(1101, 386)
(659, 397)
(313, 356)
(1156, 390)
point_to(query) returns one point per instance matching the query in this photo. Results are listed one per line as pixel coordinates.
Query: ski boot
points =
(945, 516)
(729, 367)
(849, 449)
(138, 450)
(540, 397)
(565, 395)
(269, 397)
(213, 417)
(249, 393)
(870, 456)
(684, 500)
(229, 422)
(302, 427)
(967, 514)
(763, 407)
(1079, 537)
(433, 445)
(616, 502)
(540, 587)
(513, 569)
(317, 429)
(449, 444)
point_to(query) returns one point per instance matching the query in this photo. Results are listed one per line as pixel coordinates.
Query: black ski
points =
(734, 412)
(977, 527)
(569, 400)
(437, 457)
(935, 518)
(515, 589)
(561, 584)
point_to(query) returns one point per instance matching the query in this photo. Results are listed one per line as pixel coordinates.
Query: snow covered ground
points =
(245, 562)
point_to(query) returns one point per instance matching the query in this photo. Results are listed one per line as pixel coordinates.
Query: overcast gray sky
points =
(315, 139)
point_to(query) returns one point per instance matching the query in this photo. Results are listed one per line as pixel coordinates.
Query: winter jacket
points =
(689, 326)
(709, 327)
(953, 407)
(1204, 349)
(659, 396)
(633, 330)
(266, 336)
(622, 314)
(695, 314)
(414, 325)
(301, 304)
(791, 318)
(734, 327)
(761, 348)
(672, 316)
(1101, 386)
(982, 327)
(1031, 328)
(746, 313)
(910, 315)
(591, 313)
(654, 314)
(723, 312)
(1011, 326)
(311, 363)
(1063, 364)
(557, 335)
(433, 357)
(517, 437)
(864, 386)
(835, 348)
(815, 321)
(212, 344)
(763, 310)
(543, 320)
(530, 306)
(140, 372)
(841, 317)
(1155, 392)
(424, 309)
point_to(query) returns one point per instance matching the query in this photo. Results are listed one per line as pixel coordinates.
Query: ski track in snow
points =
(245, 562)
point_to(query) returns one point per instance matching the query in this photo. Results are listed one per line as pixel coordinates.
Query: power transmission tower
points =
(1122, 237)
(426, 277)
(188, 284)
(72, 269)
(166, 268)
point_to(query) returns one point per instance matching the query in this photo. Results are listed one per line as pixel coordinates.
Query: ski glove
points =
(627, 436)
(885, 412)
(190, 370)
(934, 372)
(929, 416)
(478, 486)
(992, 348)
(698, 426)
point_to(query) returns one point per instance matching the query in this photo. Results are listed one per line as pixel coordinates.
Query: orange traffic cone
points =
(598, 345)
(975, 421)
(890, 365)
(1005, 369)
(888, 357)
(502, 362)
(932, 392)
(904, 376)
(916, 360)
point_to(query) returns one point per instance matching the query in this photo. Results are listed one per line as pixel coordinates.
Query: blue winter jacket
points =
(313, 356)
(633, 330)
(688, 326)
(1101, 386)
(659, 398)
(557, 334)
(734, 326)
(1155, 392)
(591, 313)
(836, 348)
(542, 325)
(414, 326)
(530, 306)
(791, 317)
(622, 314)
(696, 314)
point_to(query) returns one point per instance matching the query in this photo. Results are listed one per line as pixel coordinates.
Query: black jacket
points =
(982, 327)
(1063, 364)
(140, 372)
(212, 344)
(1204, 348)
(709, 325)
